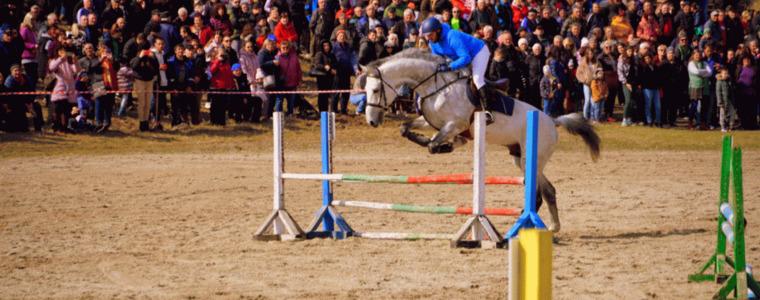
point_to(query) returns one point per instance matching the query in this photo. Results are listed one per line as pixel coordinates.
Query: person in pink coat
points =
(65, 69)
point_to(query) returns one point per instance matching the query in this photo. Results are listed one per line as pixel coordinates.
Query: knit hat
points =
(584, 42)
(235, 67)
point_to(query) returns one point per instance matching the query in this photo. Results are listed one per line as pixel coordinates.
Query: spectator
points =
(651, 83)
(747, 85)
(126, 78)
(65, 69)
(676, 83)
(724, 95)
(19, 105)
(180, 73)
(104, 100)
(285, 31)
(321, 26)
(346, 66)
(269, 70)
(324, 65)
(28, 57)
(599, 90)
(482, 16)
(221, 81)
(159, 99)
(549, 24)
(290, 76)
(608, 61)
(596, 19)
(684, 21)
(628, 82)
(239, 103)
(699, 74)
(549, 87)
(649, 29)
(534, 63)
(621, 26)
(368, 51)
(145, 67)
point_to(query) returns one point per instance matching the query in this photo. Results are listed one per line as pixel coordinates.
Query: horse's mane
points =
(413, 53)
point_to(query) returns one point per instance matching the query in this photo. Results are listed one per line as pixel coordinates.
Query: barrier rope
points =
(301, 92)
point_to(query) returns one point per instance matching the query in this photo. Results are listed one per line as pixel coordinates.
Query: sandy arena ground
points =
(180, 225)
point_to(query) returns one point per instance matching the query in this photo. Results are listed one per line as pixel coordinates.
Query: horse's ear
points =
(361, 81)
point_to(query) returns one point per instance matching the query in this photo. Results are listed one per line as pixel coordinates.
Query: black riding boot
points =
(483, 96)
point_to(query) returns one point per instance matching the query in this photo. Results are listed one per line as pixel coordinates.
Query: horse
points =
(444, 105)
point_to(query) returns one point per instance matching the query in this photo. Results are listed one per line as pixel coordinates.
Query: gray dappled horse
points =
(444, 104)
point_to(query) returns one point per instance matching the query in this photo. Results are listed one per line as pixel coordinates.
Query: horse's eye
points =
(376, 90)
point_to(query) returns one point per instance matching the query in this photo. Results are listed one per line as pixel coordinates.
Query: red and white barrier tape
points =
(303, 92)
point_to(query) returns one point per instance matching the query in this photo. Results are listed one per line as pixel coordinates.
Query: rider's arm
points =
(463, 55)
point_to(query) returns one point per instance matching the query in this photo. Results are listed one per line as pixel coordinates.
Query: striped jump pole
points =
(282, 224)
(441, 210)
(406, 236)
(463, 178)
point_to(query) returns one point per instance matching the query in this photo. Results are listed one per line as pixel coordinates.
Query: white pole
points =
(277, 170)
(478, 173)
(513, 271)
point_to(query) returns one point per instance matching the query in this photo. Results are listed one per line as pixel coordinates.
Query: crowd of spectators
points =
(85, 61)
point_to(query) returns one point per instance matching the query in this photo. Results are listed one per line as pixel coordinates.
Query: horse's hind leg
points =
(547, 191)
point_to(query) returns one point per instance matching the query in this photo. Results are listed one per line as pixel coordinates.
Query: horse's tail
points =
(575, 124)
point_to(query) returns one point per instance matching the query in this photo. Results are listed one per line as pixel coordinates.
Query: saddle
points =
(498, 100)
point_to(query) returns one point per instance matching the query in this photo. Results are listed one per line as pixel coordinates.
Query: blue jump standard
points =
(529, 218)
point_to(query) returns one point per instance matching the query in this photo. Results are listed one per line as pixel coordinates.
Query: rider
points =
(463, 49)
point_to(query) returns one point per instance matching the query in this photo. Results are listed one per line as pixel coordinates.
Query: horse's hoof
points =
(554, 228)
(442, 148)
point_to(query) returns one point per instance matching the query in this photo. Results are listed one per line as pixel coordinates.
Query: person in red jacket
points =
(221, 81)
(285, 30)
(290, 75)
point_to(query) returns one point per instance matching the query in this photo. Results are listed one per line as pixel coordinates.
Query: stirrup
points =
(489, 117)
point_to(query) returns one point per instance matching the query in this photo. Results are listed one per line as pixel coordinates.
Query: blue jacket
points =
(458, 46)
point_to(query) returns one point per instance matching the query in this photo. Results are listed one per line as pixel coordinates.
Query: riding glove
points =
(443, 68)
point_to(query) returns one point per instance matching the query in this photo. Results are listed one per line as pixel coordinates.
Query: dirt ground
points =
(635, 224)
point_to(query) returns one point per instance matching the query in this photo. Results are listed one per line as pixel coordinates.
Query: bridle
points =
(384, 105)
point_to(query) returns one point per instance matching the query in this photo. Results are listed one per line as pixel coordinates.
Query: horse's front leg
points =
(441, 142)
(406, 131)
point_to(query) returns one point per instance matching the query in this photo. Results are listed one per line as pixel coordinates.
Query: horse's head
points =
(378, 93)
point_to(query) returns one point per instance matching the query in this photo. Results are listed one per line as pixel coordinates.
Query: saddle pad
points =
(503, 104)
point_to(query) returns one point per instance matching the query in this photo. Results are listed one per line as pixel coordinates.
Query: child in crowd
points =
(599, 93)
(125, 77)
(84, 97)
(724, 95)
(548, 89)
(78, 121)
(239, 102)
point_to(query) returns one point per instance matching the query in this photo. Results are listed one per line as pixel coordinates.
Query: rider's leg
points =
(479, 68)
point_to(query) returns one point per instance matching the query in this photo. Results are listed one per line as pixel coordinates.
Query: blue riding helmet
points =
(429, 25)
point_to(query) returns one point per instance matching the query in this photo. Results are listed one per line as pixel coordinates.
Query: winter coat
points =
(322, 23)
(367, 52)
(548, 87)
(249, 63)
(145, 68)
(180, 73)
(65, 80)
(723, 90)
(221, 75)
(460, 47)
(285, 33)
(30, 43)
(290, 70)
(699, 72)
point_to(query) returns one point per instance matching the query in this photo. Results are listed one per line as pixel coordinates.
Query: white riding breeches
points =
(480, 66)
